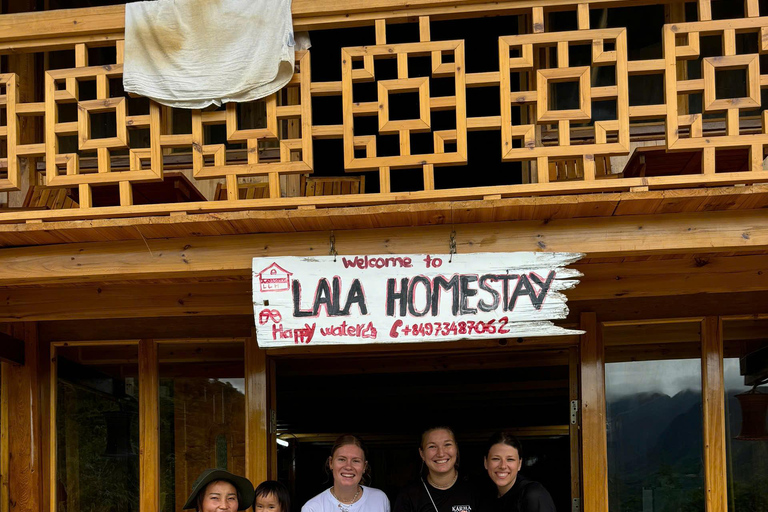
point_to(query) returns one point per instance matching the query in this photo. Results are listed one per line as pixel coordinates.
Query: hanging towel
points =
(195, 53)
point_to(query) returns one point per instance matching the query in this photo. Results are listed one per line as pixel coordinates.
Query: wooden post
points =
(45, 385)
(26, 66)
(713, 409)
(25, 485)
(594, 446)
(4, 441)
(573, 430)
(272, 438)
(149, 423)
(257, 412)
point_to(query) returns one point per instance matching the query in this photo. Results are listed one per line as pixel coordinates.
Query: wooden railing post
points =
(594, 447)
(713, 410)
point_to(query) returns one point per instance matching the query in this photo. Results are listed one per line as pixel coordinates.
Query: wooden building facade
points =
(632, 131)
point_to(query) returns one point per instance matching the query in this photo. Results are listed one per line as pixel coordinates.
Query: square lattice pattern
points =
(520, 141)
(682, 42)
(360, 150)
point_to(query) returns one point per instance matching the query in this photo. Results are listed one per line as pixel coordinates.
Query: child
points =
(272, 496)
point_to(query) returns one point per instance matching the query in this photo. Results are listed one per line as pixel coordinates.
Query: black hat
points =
(243, 485)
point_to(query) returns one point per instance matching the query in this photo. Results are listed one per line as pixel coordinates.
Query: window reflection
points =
(97, 429)
(202, 414)
(745, 368)
(654, 418)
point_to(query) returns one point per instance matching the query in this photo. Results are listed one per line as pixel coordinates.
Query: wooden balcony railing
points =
(544, 139)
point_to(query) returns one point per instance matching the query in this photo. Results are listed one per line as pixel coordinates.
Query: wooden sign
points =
(387, 298)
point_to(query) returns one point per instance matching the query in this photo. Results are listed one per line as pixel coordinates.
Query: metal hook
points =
(333, 247)
(452, 245)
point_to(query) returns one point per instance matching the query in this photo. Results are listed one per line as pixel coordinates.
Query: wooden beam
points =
(25, 482)
(307, 15)
(744, 230)
(706, 274)
(136, 328)
(594, 444)
(683, 276)
(108, 224)
(149, 426)
(11, 349)
(713, 411)
(673, 306)
(257, 435)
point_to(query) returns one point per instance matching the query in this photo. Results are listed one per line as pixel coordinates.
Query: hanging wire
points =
(452, 245)
(333, 247)
(452, 241)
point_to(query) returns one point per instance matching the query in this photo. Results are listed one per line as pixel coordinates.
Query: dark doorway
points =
(389, 399)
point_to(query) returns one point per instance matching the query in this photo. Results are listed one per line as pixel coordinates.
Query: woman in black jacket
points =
(441, 488)
(516, 493)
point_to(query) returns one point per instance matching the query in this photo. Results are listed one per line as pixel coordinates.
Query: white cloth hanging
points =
(195, 53)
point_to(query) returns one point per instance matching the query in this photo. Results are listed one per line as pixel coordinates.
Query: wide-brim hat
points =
(243, 485)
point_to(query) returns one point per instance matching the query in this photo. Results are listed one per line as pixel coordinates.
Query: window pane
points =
(97, 428)
(654, 422)
(202, 414)
(746, 404)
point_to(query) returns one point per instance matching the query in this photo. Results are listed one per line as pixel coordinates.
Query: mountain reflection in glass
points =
(654, 419)
(745, 365)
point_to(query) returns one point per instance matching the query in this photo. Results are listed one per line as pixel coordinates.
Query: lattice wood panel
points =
(540, 98)
(562, 145)
(684, 132)
(447, 61)
(9, 134)
(295, 153)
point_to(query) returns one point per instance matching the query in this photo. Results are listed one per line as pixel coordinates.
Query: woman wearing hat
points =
(216, 490)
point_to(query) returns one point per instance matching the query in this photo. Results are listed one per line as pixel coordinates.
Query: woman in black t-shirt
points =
(516, 493)
(442, 489)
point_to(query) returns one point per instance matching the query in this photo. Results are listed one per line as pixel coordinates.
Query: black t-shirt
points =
(525, 496)
(461, 497)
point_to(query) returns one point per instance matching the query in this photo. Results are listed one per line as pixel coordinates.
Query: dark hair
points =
(507, 438)
(201, 494)
(276, 489)
(344, 440)
(432, 429)
(453, 435)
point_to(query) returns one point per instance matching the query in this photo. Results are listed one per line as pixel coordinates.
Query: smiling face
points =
(439, 451)
(347, 465)
(219, 496)
(503, 463)
(267, 503)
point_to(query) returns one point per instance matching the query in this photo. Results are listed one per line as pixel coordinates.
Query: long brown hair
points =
(344, 440)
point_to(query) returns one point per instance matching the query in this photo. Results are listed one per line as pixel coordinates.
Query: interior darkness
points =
(390, 400)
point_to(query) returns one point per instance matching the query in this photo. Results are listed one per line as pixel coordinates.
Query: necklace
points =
(442, 488)
(344, 507)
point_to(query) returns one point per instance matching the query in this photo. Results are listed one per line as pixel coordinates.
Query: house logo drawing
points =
(274, 278)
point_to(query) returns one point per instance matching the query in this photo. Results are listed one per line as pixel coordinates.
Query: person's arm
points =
(386, 503)
(536, 498)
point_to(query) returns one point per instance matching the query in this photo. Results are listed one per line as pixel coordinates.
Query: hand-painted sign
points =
(323, 300)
